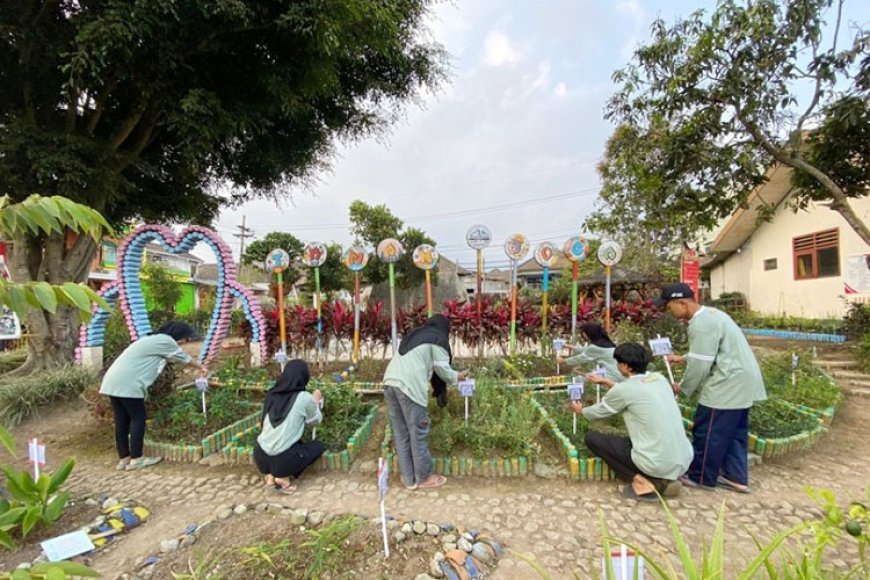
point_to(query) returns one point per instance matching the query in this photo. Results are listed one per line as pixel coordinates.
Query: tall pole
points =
(394, 331)
(575, 277)
(428, 293)
(513, 343)
(356, 306)
(544, 301)
(607, 299)
(480, 303)
(244, 233)
(282, 325)
(319, 315)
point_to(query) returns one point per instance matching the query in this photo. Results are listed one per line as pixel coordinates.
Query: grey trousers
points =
(410, 423)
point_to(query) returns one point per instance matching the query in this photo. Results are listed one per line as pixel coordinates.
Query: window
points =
(770, 264)
(817, 255)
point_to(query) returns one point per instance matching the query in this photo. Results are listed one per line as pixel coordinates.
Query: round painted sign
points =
(516, 246)
(390, 251)
(546, 255)
(609, 253)
(277, 261)
(314, 255)
(425, 257)
(575, 249)
(355, 258)
(478, 236)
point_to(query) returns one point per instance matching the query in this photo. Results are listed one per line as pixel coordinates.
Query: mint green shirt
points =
(721, 363)
(659, 446)
(136, 369)
(411, 372)
(275, 440)
(590, 353)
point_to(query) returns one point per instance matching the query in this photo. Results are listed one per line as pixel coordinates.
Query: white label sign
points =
(466, 388)
(201, 384)
(609, 253)
(281, 357)
(661, 346)
(599, 372)
(558, 344)
(575, 389)
(478, 237)
(67, 546)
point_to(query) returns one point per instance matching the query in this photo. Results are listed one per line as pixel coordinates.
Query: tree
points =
(709, 104)
(47, 300)
(163, 289)
(142, 109)
(257, 251)
(334, 275)
(373, 224)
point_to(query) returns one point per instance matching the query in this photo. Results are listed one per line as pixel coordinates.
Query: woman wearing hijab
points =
(423, 350)
(128, 379)
(279, 452)
(598, 350)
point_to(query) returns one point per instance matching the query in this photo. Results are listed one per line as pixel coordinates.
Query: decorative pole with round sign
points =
(609, 254)
(478, 237)
(546, 255)
(314, 256)
(516, 247)
(276, 262)
(389, 252)
(425, 257)
(575, 250)
(355, 258)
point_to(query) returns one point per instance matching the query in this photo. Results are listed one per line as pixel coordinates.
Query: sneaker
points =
(142, 462)
(122, 464)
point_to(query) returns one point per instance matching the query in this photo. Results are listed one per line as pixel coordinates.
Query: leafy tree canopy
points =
(712, 102)
(256, 252)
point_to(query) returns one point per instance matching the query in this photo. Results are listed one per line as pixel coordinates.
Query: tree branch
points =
(78, 258)
(100, 105)
(126, 127)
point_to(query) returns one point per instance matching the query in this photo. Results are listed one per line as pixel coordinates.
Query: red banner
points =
(690, 270)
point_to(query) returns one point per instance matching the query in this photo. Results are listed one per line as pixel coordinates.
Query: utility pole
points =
(244, 232)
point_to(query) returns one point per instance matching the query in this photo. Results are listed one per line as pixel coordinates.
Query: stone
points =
(448, 539)
(464, 545)
(407, 528)
(469, 537)
(419, 527)
(754, 459)
(188, 540)
(433, 529)
(167, 546)
(423, 577)
(391, 524)
(448, 546)
(315, 518)
(91, 502)
(545, 471)
(399, 536)
(482, 552)
(110, 503)
(299, 516)
(274, 509)
(223, 512)
(435, 565)
(240, 509)
(261, 508)
(530, 527)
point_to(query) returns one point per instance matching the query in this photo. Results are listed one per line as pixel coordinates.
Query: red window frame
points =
(810, 245)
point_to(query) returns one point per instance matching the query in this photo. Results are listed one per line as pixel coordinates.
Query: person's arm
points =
(172, 352)
(313, 416)
(703, 347)
(581, 355)
(441, 366)
(613, 403)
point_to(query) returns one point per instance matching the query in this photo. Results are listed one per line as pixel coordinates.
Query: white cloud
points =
(499, 49)
(632, 10)
(561, 90)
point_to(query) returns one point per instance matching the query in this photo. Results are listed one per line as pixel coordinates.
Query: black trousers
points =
(129, 426)
(615, 450)
(293, 461)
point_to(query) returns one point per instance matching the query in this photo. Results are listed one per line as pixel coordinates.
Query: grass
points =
(556, 405)
(22, 397)
(12, 359)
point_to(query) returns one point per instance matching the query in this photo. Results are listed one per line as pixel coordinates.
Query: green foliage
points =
(749, 319)
(21, 397)
(343, 413)
(557, 406)
(178, 417)
(32, 502)
(51, 571)
(257, 251)
(334, 275)
(863, 352)
(163, 288)
(117, 336)
(811, 387)
(857, 319)
(771, 419)
(12, 359)
(373, 224)
(703, 106)
(518, 367)
(501, 422)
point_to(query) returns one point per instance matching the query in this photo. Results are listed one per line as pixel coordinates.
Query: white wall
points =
(776, 291)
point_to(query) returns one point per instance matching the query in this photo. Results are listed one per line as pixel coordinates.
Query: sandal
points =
(432, 482)
(732, 486)
(631, 494)
(284, 487)
(270, 482)
(689, 482)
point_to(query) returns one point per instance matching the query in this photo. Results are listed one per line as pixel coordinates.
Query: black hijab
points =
(435, 331)
(282, 395)
(597, 335)
(177, 330)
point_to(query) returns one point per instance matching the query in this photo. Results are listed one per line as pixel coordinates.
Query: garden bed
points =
(499, 441)
(813, 390)
(795, 335)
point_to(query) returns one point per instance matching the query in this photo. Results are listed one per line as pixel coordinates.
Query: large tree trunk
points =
(51, 338)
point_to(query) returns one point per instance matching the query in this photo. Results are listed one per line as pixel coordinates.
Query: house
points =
(494, 283)
(805, 264)
(531, 274)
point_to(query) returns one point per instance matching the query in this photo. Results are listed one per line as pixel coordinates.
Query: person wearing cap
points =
(722, 366)
(598, 350)
(128, 379)
(656, 451)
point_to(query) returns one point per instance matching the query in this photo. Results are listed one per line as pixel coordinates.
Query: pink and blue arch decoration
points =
(126, 292)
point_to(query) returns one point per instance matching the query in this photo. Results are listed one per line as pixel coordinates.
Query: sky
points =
(511, 141)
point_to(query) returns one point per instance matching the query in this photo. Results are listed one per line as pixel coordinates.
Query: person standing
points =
(279, 452)
(424, 351)
(722, 366)
(656, 451)
(128, 379)
(598, 350)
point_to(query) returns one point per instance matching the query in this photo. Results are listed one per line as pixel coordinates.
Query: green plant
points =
(12, 359)
(343, 413)
(811, 387)
(556, 405)
(51, 571)
(205, 568)
(179, 416)
(327, 544)
(33, 502)
(771, 419)
(864, 352)
(857, 319)
(22, 396)
(117, 336)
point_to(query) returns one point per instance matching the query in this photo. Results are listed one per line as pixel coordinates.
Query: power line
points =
(244, 232)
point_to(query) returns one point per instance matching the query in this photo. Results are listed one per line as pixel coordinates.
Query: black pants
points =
(129, 426)
(293, 461)
(616, 452)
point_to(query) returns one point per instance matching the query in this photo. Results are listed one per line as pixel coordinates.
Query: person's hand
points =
(597, 379)
(203, 370)
(318, 396)
(463, 375)
(676, 359)
(569, 347)
(560, 359)
(676, 388)
(577, 406)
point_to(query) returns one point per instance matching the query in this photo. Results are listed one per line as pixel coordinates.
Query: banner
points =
(10, 326)
(857, 278)
(690, 270)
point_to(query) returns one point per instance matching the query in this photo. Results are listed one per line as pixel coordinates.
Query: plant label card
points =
(281, 357)
(66, 546)
(466, 388)
(661, 346)
(383, 477)
(35, 451)
(624, 563)
(558, 344)
(599, 372)
(575, 391)
(201, 384)
(794, 361)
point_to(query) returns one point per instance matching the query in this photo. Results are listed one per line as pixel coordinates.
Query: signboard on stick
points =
(478, 237)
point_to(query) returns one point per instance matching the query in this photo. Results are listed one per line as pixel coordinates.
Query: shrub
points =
(857, 319)
(22, 397)
(117, 336)
(771, 419)
(12, 359)
(343, 413)
(812, 387)
(180, 419)
(864, 352)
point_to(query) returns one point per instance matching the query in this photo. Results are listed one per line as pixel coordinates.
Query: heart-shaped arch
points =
(127, 293)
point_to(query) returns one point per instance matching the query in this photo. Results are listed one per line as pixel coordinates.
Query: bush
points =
(857, 320)
(23, 396)
(343, 413)
(179, 418)
(771, 419)
(117, 336)
(12, 359)
(812, 387)
(864, 352)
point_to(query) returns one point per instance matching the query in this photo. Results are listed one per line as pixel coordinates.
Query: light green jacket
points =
(136, 369)
(659, 446)
(275, 440)
(589, 353)
(721, 363)
(411, 372)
